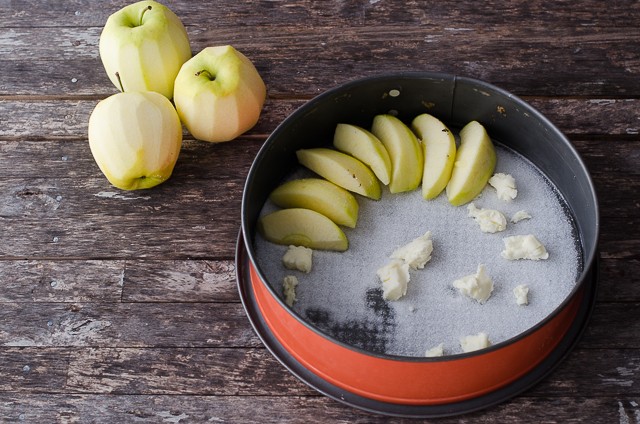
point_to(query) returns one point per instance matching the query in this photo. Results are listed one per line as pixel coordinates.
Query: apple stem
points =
(206, 74)
(120, 81)
(143, 12)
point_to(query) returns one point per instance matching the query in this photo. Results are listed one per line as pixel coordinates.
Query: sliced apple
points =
(342, 170)
(474, 164)
(439, 150)
(363, 145)
(404, 150)
(302, 227)
(319, 195)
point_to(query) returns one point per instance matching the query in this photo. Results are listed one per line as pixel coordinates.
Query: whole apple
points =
(135, 138)
(145, 44)
(219, 94)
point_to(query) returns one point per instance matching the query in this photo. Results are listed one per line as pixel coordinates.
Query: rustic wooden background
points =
(122, 306)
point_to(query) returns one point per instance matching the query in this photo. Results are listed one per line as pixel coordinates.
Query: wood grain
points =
(120, 307)
(107, 409)
(574, 53)
(125, 324)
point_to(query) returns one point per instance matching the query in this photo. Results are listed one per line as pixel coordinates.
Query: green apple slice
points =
(342, 170)
(404, 150)
(302, 227)
(474, 164)
(363, 145)
(439, 149)
(318, 195)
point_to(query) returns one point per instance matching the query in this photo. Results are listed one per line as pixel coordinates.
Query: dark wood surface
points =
(122, 306)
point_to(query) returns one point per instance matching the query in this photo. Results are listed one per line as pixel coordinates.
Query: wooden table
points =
(122, 306)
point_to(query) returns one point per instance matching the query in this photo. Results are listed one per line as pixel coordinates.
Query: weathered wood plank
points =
(95, 236)
(608, 160)
(613, 372)
(617, 199)
(92, 236)
(73, 165)
(51, 119)
(105, 281)
(41, 221)
(125, 325)
(538, 60)
(242, 372)
(613, 325)
(170, 281)
(206, 324)
(146, 226)
(61, 281)
(180, 281)
(109, 409)
(33, 370)
(229, 372)
(79, 13)
(618, 280)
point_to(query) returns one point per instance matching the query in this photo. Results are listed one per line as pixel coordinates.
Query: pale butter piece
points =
(394, 277)
(417, 252)
(490, 220)
(521, 293)
(474, 342)
(519, 216)
(523, 247)
(435, 351)
(505, 186)
(477, 286)
(289, 289)
(298, 258)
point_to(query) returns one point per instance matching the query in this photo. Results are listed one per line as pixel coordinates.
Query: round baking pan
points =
(538, 373)
(396, 384)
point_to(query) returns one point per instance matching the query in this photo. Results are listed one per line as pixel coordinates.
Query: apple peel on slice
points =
(363, 145)
(474, 164)
(319, 195)
(341, 169)
(404, 150)
(439, 150)
(302, 227)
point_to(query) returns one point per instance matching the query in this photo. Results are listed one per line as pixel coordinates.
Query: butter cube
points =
(298, 258)
(394, 277)
(521, 293)
(477, 286)
(523, 247)
(435, 351)
(417, 252)
(289, 289)
(519, 216)
(474, 342)
(505, 186)
(490, 220)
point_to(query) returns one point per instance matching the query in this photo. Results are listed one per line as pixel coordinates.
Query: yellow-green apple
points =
(144, 44)
(135, 138)
(474, 164)
(341, 169)
(439, 150)
(404, 150)
(302, 227)
(319, 195)
(219, 94)
(363, 145)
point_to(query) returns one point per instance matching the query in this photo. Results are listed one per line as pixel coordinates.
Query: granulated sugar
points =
(342, 295)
